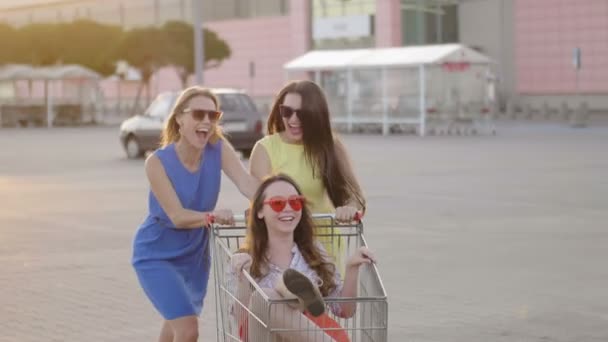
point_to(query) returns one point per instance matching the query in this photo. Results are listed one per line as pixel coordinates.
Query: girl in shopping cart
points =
(284, 258)
(300, 143)
(171, 253)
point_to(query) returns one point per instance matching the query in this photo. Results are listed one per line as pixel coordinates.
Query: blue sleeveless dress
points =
(172, 264)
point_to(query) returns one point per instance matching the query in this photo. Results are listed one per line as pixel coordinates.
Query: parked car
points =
(241, 123)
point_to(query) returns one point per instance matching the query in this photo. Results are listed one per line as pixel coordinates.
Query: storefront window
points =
(217, 10)
(132, 13)
(340, 24)
(428, 22)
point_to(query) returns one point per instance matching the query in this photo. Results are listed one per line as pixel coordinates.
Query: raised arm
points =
(259, 163)
(237, 173)
(167, 198)
(351, 277)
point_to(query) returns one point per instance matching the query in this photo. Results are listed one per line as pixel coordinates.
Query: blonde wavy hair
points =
(170, 132)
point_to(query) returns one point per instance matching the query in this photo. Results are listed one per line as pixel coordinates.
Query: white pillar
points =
(349, 100)
(385, 125)
(439, 24)
(422, 101)
(49, 103)
(199, 45)
(318, 77)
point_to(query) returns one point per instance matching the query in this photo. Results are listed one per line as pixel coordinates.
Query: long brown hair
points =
(170, 133)
(319, 142)
(256, 240)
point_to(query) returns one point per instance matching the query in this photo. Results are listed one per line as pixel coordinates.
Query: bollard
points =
(580, 116)
(545, 112)
(510, 110)
(490, 119)
(528, 111)
(564, 111)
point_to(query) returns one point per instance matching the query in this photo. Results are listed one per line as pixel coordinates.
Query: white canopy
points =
(442, 60)
(14, 72)
(385, 57)
(67, 72)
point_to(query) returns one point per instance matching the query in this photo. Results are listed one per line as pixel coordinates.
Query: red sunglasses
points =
(199, 114)
(278, 203)
(287, 112)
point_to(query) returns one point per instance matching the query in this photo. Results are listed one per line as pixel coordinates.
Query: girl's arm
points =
(351, 278)
(167, 198)
(349, 290)
(237, 173)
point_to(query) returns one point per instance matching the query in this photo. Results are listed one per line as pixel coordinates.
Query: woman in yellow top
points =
(300, 143)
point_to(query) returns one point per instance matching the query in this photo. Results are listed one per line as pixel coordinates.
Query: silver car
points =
(241, 123)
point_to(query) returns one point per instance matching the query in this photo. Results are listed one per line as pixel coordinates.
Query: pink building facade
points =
(537, 39)
(546, 34)
(260, 47)
(532, 41)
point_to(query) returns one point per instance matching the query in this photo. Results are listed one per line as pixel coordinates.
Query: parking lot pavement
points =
(478, 238)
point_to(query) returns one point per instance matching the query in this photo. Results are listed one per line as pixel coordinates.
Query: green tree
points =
(99, 46)
(146, 50)
(82, 42)
(90, 44)
(11, 46)
(180, 52)
(41, 44)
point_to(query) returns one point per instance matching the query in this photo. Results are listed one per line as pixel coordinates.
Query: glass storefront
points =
(428, 22)
(336, 24)
(339, 24)
(131, 13)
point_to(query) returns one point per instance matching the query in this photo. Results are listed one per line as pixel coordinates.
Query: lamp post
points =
(199, 53)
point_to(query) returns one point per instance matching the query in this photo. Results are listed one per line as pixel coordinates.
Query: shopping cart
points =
(245, 312)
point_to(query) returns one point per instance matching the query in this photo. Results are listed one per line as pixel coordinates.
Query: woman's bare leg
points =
(166, 333)
(283, 317)
(185, 329)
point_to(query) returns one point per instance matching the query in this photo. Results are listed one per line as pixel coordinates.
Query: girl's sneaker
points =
(298, 285)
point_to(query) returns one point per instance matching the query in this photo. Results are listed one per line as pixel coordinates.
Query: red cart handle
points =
(210, 219)
(241, 218)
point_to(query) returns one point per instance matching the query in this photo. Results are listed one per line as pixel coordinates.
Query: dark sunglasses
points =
(199, 114)
(287, 112)
(278, 203)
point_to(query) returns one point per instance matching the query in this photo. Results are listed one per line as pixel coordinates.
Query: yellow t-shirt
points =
(290, 159)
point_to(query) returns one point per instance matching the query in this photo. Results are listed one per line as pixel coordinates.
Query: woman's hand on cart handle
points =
(362, 256)
(235, 219)
(209, 220)
(348, 214)
(222, 216)
(358, 216)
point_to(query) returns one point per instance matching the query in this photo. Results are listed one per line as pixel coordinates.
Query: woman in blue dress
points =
(171, 248)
